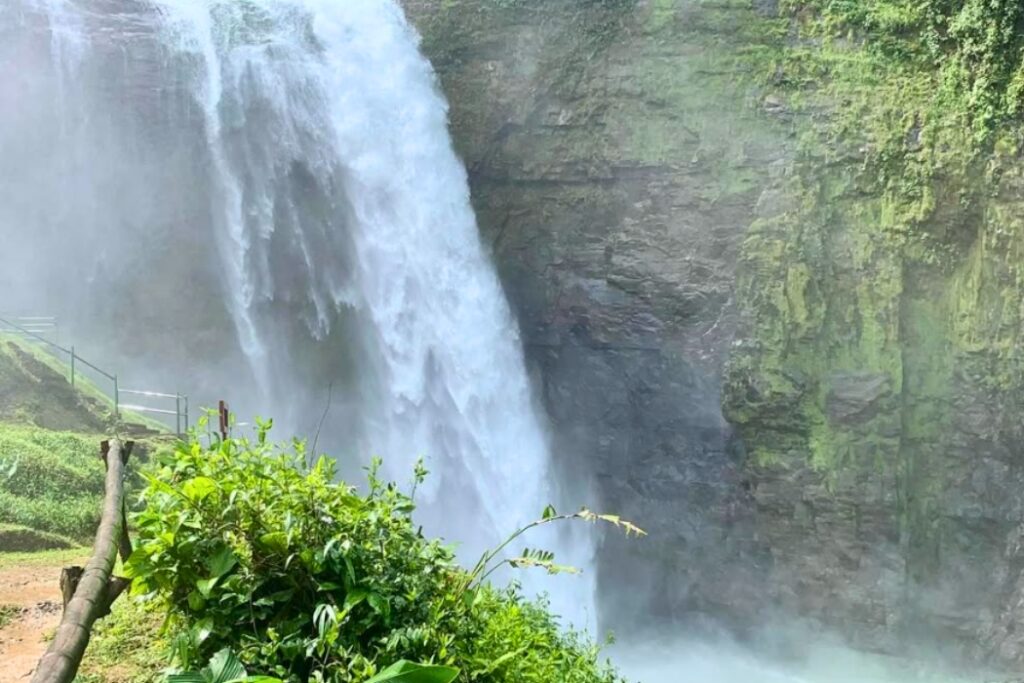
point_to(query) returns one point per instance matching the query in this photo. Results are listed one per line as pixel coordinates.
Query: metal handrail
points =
(147, 409)
(155, 394)
(180, 411)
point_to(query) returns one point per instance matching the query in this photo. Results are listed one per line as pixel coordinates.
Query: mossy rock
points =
(20, 539)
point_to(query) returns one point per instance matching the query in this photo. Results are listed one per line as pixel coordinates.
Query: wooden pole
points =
(225, 419)
(96, 588)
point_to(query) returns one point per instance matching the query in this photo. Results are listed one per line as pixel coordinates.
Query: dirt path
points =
(35, 592)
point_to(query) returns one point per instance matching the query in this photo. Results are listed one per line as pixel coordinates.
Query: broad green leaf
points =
(196, 601)
(282, 595)
(141, 586)
(198, 488)
(472, 597)
(138, 564)
(161, 485)
(407, 672)
(202, 630)
(221, 562)
(328, 586)
(206, 585)
(355, 597)
(379, 604)
(224, 667)
(350, 570)
(308, 557)
(497, 663)
(276, 540)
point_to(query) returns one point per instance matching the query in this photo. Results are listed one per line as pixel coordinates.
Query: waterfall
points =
(313, 139)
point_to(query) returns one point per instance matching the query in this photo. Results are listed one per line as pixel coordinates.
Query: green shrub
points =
(251, 548)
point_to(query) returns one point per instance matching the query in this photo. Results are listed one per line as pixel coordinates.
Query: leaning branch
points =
(89, 593)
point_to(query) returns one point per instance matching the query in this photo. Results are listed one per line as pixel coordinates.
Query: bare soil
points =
(34, 591)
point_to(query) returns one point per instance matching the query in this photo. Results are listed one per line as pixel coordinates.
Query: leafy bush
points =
(249, 547)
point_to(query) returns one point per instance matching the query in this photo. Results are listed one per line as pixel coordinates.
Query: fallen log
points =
(89, 593)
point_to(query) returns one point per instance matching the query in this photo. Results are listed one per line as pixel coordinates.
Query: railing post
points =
(117, 399)
(225, 419)
(177, 414)
(72, 365)
(186, 413)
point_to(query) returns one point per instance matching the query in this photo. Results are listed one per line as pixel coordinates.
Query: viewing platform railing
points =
(180, 411)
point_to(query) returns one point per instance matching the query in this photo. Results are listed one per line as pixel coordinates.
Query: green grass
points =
(126, 646)
(50, 481)
(51, 488)
(53, 482)
(45, 558)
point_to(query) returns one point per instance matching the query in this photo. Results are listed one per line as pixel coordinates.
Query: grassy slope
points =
(51, 480)
(51, 485)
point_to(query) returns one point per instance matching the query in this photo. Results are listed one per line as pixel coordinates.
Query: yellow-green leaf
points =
(199, 488)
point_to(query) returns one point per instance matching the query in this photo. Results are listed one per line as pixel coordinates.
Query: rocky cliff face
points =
(615, 166)
(703, 205)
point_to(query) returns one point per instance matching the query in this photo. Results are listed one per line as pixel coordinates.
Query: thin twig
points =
(316, 438)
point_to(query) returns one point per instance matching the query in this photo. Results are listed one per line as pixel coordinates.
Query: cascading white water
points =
(355, 103)
(341, 215)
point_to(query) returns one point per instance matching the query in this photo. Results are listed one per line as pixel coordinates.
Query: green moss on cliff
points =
(885, 298)
(823, 307)
(972, 51)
